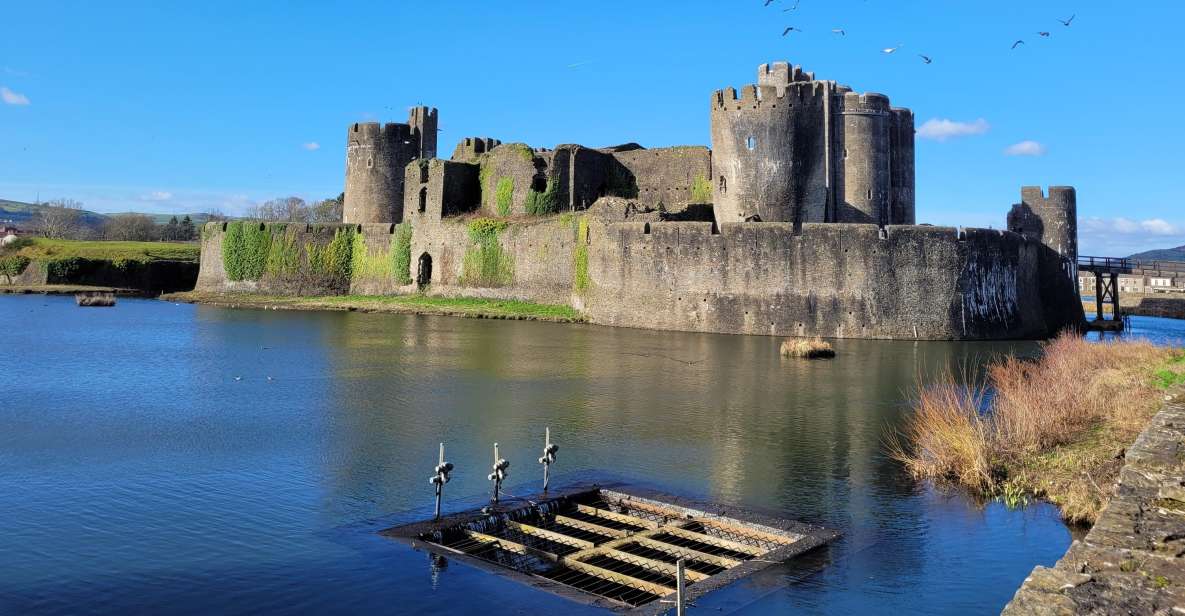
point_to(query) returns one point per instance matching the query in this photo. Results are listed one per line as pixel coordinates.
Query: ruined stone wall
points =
(538, 256)
(835, 280)
(517, 169)
(375, 160)
(673, 177)
(439, 188)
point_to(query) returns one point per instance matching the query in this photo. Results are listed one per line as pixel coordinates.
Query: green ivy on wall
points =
(504, 196)
(485, 264)
(394, 263)
(245, 248)
(701, 190)
(546, 202)
(401, 253)
(334, 260)
(580, 256)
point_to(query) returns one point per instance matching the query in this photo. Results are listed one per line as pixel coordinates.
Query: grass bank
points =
(1055, 428)
(41, 249)
(411, 304)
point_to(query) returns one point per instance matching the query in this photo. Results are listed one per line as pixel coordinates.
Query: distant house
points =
(7, 230)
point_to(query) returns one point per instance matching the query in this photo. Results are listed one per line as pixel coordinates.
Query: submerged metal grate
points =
(615, 546)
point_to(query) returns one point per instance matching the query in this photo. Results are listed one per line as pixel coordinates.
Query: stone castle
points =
(799, 220)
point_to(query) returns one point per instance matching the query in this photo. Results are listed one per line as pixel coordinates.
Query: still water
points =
(148, 464)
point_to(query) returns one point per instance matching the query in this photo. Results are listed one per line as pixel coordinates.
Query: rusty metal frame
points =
(743, 542)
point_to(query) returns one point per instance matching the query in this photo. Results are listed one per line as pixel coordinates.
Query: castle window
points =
(723, 185)
(370, 162)
(845, 153)
(424, 173)
(423, 199)
(751, 142)
(538, 184)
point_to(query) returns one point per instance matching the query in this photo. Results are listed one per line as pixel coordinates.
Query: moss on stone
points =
(504, 196)
(580, 256)
(701, 189)
(485, 264)
(546, 202)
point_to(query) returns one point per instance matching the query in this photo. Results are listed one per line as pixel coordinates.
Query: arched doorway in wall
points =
(424, 270)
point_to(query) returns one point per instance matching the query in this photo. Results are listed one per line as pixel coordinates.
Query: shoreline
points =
(1130, 561)
(70, 289)
(474, 308)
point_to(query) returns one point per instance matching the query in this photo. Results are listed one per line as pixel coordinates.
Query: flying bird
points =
(790, 29)
(1018, 42)
(925, 59)
(768, 2)
(888, 50)
(839, 31)
(1066, 22)
(1043, 34)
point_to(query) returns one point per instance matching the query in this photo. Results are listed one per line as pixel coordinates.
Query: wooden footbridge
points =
(1106, 272)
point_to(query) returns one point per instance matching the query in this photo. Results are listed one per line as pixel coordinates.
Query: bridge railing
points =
(1121, 264)
(1103, 263)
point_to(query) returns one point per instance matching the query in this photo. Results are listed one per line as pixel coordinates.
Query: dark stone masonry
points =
(798, 221)
(1131, 560)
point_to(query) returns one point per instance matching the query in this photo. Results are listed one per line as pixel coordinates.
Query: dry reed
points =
(1054, 428)
(809, 348)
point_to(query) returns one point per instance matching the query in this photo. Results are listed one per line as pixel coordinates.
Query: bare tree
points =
(288, 209)
(328, 210)
(59, 219)
(131, 227)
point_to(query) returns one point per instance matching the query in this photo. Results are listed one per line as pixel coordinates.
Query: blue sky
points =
(180, 107)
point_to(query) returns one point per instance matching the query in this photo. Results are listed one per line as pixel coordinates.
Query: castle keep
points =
(799, 220)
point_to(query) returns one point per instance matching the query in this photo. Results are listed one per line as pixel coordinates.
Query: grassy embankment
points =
(64, 256)
(41, 249)
(1055, 428)
(412, 304)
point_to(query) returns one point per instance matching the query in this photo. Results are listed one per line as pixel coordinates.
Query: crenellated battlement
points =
(865, 103)
(755, 96)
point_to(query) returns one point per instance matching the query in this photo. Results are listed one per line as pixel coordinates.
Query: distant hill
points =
(1161, 254)
(21, 214)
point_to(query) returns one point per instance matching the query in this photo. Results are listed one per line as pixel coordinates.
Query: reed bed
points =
(809, 348)
(1054, 428)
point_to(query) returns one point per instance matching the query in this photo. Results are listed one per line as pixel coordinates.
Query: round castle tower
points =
(795, 149)
(865, 155)
(375, 160)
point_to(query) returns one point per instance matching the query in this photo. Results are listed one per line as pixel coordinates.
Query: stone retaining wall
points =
(1131, 561)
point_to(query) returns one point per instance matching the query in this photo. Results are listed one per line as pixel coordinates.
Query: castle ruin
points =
(799, 220)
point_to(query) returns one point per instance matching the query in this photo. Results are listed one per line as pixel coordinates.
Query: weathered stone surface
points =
(1133, 560)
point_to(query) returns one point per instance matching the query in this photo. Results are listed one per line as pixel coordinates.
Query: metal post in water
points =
(440, 478)
(500, 466)
(680, 589)
(548, 456)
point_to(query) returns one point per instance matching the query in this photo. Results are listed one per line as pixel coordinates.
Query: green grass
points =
(466, 305)
(455, 306)
(52, 250)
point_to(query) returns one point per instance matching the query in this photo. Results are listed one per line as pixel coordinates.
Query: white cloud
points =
(13, 98)
(158, 195)
(941, 129)
(1027, 147)
(1127, 226)
(311, 146)
(1119, 237)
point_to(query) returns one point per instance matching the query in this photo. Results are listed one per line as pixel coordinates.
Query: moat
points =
(138, 475)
